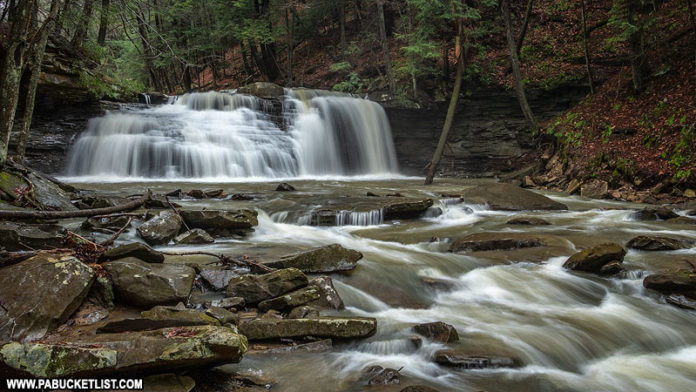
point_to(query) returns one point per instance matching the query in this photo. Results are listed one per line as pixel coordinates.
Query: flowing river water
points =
(570, 331)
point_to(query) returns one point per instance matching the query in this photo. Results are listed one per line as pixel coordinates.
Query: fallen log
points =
(131, 205)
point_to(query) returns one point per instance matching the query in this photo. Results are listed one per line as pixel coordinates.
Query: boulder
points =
(285, 187)
(594, 189)
(611, 268)
(161, 229)
(49, 194)
(329, 298)
(528, 221)
(593, 259)
(194, 237)
(677, 281)
(406, 209)
(289, 300)
(40, 293)
(175, 313)
(146, 285)
(256, 288)
(329, 258)
(221, 223)
(134, 249)
(478, 242)
(262, 90)
(456, 358)
(325, 327)
(218, 279)
(508, 197)
(20, 236)
(650, 242)
(437, 331)
(146, 352)
(653, 214)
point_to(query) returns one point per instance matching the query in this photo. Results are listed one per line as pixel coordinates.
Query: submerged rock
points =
(437, 331)
(135, 249)
(386, 376)
(325, 327)
(256, 288)
(40, 293)
(419, 388)
(329, 258)
(677, 281)
(528, 221)
(21, 236)
(194, 236)
(161, 229)
(495, 241)
(456, 358)
(653, 214)
(221, 223)
(593, 259)
(508, 197)
(649, 242)
(114, 354)
(146, 285)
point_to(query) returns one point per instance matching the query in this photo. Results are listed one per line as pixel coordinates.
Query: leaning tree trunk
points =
(517, 74)
(585, 44)
(525, 24)
(385, 46)
(454, 100)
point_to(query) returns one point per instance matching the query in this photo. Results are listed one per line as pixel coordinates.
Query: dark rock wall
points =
(488, 135)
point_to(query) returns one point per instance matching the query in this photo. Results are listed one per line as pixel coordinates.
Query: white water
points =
(234, 136)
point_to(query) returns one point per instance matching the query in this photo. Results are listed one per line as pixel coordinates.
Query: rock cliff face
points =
(488, 134)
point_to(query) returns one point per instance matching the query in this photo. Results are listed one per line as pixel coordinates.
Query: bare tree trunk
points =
(385, 46)
(586, 49)
(34, 69)
(13, 49)
(637, 47)
(82, 26)
(342, 24)
(525, 24)
(437, 156)
(693, 23)
(519, 86)
(103, 22)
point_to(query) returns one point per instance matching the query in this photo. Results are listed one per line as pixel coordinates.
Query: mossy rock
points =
(593, 259)
(175, 314)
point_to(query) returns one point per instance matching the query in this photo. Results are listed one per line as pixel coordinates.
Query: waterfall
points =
(229, 135)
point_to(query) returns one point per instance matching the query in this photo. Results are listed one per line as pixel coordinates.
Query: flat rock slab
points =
(220, 222)
(146, 285)
(145, 352)
(507, 197)
(677, 281)
(40, 293)
(256, 288)
(143, 324)
(512, 246)
(325, 327)
(455, 358)
(21, 236)
(656, 243)
(218, 279)
(176, 314)
(135, 249)
(329, 258)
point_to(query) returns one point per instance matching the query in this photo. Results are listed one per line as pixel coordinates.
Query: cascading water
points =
(216, 134)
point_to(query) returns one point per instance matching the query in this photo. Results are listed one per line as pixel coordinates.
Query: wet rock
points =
(678, 281)
(593, 259)
(653, 214)
(507, 197)
(437, 284)
(262, 90)
(222, 315)
(495, 241)
(459, 359)
(142, 324)
(221, 223)
(160, 229)
(329, 298)
(193, 237)
(681, 301)
(146, 285)
(176, 313)
(40, 293)
(229, 303)
(437, 331)
(290, 300)
(218, 279)
(196, 194)
(302, 312)
(320, 346)
(329, 258)
(256, 288)
(594, 189)
(114, 354)
(385, 377)
(371, 194)
(611, 268)
(418, 388)
(241, 197)
(528, 221)
(285, 187)
(105, 224)
(394, 194)
(691, 213)
(135, 249)
(407, 209)
(325, 327)
(168, 383)
(49, 194)
(159, 202)
(213, 193)
(649, 242)
(20, 236)
(682, 220)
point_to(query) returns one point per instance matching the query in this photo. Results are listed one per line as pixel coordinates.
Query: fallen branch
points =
(4, 214)
(226, 260)
(117, 234)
